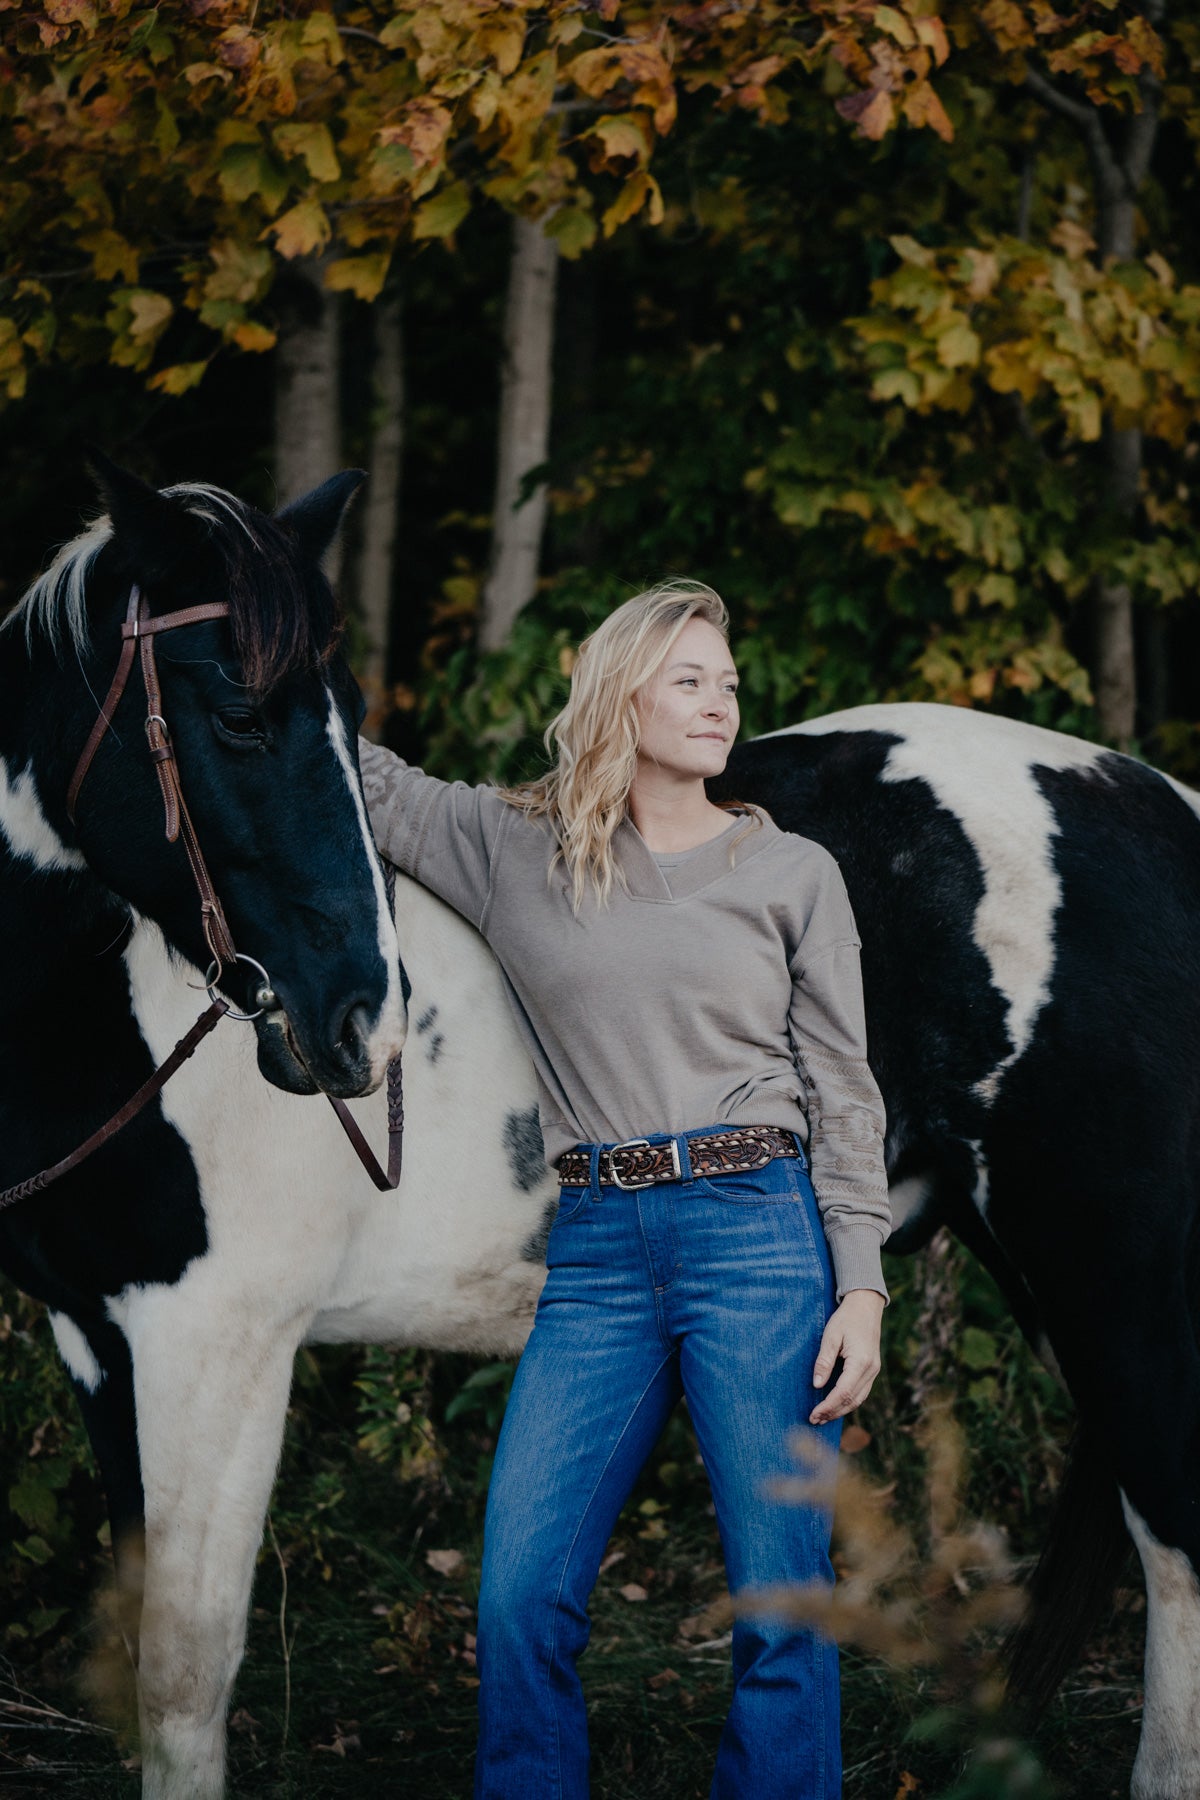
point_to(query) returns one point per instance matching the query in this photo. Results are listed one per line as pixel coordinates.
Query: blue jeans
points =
(719, 1289)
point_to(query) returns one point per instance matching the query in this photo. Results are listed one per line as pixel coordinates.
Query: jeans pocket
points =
(779, 1180)
(570, 1201)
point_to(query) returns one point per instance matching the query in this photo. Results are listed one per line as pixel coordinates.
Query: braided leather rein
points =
(138, 631)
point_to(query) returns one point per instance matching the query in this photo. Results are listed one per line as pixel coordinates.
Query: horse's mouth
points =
(279, 1061)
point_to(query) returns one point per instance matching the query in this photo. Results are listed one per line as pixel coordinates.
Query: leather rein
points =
(139, 629)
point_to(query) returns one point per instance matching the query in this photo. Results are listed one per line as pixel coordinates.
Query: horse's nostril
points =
(356, 1027)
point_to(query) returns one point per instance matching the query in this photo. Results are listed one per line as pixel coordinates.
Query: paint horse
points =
(262, 717)
(1025, 903)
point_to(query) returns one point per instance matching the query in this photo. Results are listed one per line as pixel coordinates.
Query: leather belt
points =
(638, 1163)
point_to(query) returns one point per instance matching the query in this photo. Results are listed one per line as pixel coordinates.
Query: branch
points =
(1054, 100)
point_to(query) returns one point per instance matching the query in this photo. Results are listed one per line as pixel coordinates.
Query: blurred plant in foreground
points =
(939, 1597)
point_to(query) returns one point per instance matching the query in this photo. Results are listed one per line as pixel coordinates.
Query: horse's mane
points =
(280, 622)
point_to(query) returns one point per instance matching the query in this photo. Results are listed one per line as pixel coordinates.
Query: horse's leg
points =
(1168, 1758)
(212, 1372)
(97, 1357)
(1113, 1295)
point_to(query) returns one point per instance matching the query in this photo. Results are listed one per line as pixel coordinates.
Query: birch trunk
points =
(308, 391)
(381, 506)
(524, 434)
(1118, 173)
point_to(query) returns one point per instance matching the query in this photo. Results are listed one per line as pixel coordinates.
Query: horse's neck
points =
(52, 910)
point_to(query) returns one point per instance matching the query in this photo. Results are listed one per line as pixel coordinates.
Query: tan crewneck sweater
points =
(718, 988)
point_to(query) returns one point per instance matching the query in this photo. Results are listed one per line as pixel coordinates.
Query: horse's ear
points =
(153, 531)
(314, 519)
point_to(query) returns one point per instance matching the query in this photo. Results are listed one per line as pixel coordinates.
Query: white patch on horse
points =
(1168, 1759)
(29, 832)
(983, 769)
(391, 1027)
(980, 1192)
(908, 1198)
(76, 1352)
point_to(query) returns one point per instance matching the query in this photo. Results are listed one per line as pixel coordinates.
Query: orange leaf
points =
(871, 111)
(922, 107)
(932, 33)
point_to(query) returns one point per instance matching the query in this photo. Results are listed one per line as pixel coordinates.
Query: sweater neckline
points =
(647, 879)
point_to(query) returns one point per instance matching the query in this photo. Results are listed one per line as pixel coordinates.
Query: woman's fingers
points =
(827, 1355)
(854, 1384)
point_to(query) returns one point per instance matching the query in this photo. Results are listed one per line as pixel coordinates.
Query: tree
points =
(525, 394)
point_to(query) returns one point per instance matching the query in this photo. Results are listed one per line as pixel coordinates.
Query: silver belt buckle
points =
(635, 1187)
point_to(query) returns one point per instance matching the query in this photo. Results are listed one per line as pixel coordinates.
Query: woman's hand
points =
(853, 1334)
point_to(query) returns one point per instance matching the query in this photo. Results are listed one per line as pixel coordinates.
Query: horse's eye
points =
(241, 726)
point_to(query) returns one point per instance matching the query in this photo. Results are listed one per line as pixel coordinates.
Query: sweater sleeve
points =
(845, 1108)
(443, 833)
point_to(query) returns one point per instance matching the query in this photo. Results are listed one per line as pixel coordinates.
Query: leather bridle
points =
(139, 629)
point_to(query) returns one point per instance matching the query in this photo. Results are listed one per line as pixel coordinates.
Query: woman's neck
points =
(672, 814)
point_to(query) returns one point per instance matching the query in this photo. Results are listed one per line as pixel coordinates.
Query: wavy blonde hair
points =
(595, 738)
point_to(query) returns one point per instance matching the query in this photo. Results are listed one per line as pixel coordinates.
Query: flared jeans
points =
(719, 1289)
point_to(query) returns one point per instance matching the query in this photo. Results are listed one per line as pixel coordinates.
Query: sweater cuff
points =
(854, 1251)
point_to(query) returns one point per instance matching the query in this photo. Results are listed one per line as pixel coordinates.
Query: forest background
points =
(883, 320)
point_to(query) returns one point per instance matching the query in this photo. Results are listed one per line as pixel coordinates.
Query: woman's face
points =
(688, 711)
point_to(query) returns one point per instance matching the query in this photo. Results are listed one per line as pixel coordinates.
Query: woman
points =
(687, 983)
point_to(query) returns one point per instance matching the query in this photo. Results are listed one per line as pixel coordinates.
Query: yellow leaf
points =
(149, 312)
(595, 71)
(958, 347)
(197, 72)
(618, 138)
(441, 215)
(321, 32)
(629, 202)
(113, 257)
(573, 229)
(909, 251)
(360, 275)
(1161, 269)
(1011, 372)
(1006, 22)
(1072, 237)
(302, 230)
(897, 384)
(485, 98)
(502, 43)
(250, 335)
(240, 271)
(178, 378)
(896, 25)
(314, 144)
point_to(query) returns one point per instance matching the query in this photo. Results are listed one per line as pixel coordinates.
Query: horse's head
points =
(262, 713)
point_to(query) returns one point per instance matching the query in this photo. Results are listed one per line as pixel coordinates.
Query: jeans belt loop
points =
(594, 1172)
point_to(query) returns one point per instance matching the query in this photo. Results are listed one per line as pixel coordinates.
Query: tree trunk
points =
(524, 434)
(1113, 664)
(1118, 172)
(307, 390)
(381, 508)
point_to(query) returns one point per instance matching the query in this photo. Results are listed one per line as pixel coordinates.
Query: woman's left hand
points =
(853, 1334)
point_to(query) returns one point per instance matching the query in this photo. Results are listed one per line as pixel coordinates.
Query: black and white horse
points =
(263, 715)
(1028, 910)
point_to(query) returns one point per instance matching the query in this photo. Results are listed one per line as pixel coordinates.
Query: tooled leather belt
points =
(639, 1164)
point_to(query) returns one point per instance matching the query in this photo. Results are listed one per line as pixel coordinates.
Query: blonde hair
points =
(595, 737)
